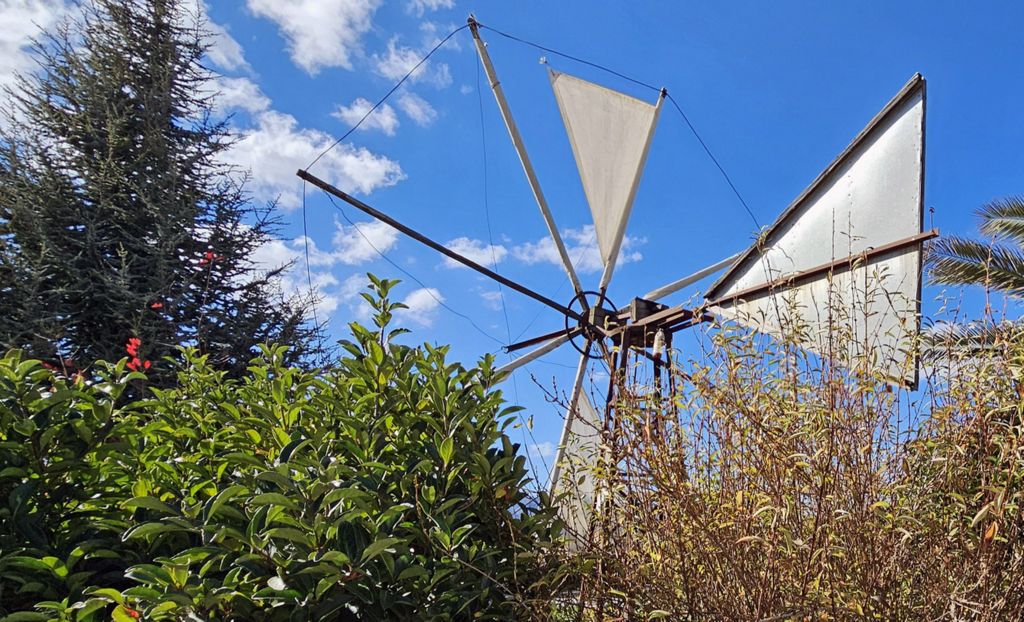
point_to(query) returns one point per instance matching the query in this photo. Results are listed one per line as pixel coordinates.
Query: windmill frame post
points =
(524, 158)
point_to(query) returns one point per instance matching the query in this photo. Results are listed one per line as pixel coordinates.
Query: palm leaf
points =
(1004, 219)
(969, 339)
(959, 261)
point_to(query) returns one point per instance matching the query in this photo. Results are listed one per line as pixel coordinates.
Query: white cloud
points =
(475, 250)
(20, 22)
(417, 109)
(400, 60)
(492, 300)
(423, 304)
(356, 244)
(432, 35)
(238, 94)
(348, 248)
(320, 33)
(581, 245)
(544, 449)
(383, 118)
(224, 51)
(276, 147)
(275, 254)
(465, 89)
(419, 7)
(349, 294)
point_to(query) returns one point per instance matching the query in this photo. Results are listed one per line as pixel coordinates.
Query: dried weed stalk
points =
(770, 483)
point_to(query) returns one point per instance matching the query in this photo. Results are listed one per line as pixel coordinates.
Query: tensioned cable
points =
(410, 275)
(494, 266)
(309, 280)
(571, 57)
(305, 236)
(381, 101)
(679, 108)
(487, 206)
(707, 150)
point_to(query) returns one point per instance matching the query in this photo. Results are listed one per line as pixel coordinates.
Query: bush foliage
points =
(383, 488)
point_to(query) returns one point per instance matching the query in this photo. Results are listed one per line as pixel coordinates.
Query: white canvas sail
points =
(573, 472)
(871, 197)
(610, 135)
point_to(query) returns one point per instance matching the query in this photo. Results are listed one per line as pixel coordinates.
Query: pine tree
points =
(122, 232)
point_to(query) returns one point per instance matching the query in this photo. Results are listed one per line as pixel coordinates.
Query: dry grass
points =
(772, 484)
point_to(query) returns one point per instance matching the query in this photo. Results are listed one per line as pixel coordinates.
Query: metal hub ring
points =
(589, 331)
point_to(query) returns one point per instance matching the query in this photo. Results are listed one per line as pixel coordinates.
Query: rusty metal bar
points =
(526, 343)
(447, 252)
(825, 268)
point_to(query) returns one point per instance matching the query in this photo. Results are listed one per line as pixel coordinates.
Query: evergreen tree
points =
(122, 232)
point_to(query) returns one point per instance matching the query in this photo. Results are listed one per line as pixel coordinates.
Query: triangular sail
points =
(864, 209)
(573, 473)
(610, 135)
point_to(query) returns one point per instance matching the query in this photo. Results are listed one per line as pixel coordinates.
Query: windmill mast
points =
(524, 158)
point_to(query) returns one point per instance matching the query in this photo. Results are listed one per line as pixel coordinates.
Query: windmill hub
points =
(598, 318)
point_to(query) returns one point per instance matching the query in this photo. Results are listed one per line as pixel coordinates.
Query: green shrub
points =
(383, 488)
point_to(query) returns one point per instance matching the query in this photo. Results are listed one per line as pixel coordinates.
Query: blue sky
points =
(776, 89)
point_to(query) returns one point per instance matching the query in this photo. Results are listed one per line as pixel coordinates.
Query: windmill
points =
(861, 219)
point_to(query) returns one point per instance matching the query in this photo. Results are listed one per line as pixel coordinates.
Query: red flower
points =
(132, 347)
(135, 363)
(138, 364)
(133, 613)
(156, 305)
(209, 257)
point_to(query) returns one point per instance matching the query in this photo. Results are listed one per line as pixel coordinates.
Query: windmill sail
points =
(865, 210)
(573, 473)
(610, 134)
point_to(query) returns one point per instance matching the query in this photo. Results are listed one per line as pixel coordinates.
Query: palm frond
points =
(969, 339)
(959, 261)
(1004, 219)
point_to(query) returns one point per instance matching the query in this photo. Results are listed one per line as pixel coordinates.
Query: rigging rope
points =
(487, 204)
(309, 281)
(527, 426)
(647, 85)
(707, 150)
(572, 58)
(305, 236)
(381, 101)
(410, 275)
